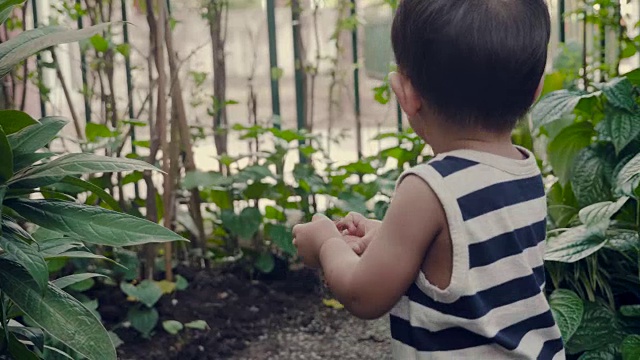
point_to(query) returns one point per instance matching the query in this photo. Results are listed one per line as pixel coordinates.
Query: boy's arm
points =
(369, 286)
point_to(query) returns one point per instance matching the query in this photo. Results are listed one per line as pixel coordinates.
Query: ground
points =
(250, 319)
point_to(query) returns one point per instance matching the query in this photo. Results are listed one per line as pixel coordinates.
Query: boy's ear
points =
(408, 97)
(539, 90)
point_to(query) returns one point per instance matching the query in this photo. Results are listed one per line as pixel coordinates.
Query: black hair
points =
(475, 62)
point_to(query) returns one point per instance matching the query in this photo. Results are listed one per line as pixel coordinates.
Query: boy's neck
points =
(447, 140)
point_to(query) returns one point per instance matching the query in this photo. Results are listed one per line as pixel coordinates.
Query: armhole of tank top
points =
(456, 231)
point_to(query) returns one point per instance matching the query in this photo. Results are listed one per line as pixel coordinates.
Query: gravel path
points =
(332, 334)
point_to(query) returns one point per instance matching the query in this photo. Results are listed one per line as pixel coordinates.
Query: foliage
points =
(33, 308)
(594, 213)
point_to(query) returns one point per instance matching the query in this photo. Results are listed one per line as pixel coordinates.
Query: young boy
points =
(458, 259)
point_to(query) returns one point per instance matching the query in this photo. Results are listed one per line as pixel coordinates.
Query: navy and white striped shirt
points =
(495, 307)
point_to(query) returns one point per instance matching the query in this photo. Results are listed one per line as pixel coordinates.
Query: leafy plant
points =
(34, 308)
(594, 214)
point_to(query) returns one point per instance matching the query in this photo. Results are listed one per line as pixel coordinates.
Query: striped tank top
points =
(494, 307)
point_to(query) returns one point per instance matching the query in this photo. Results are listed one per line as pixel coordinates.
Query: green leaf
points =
(93, 131)
(35, 137)
(619, 92)
(576, 243)
(78, 255)
(567, 309)
(181, 283)
(55, 246)
(69, 280)
(630, 310)
(245, 225)
(79, 164)
(591, 174)
(96, 190)
(608, 352)
(143, 319)
(599, 328)
(620, 127)
(124, 50)
(197, 325)
(29, 42)
(147, 292)
(13, 121)
(22, 161)
(198, 179)
(562, 206)
(28, 257)
(35, 335)
(565, 147)
(265, 263)
(99, 43)
(254, 173)
(624, 240)
(555, 105)
(17, 349)
(93, 224)
(631, 347)
(172, 327)
(6, 8)
(627, 179)
(282, 237)
(57, 313)
(6, 154)
(274, 213)
(603, 211)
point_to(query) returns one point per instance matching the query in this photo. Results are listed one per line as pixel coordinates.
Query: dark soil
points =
(248, 319)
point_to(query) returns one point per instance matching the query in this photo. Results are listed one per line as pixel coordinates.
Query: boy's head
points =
(472, 62)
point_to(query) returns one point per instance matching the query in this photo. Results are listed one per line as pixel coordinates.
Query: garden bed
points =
(248, 319)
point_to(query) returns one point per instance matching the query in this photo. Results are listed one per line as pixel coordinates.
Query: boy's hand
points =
(308, 238)
(355, 224)
(357, 244)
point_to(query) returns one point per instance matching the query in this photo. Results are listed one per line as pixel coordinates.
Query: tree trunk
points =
(179, 120)
(217, 12)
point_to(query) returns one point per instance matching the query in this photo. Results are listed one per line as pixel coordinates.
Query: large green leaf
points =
(576, 243)
(147, 292)
(69, 280)
(567, 309)
(28, 257)
(599, 328)
(631, 347)
(244, 225)
(619, 92)
(29, 42)
(79, 164)
(13, 121)
(56, 312)
(35, 137)
(556, 104)
(628, 179)
(565, 147)
(92, 224)
(603, 211)
(6, 154)
(620, 127)
(591, 173)
(265, 262)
